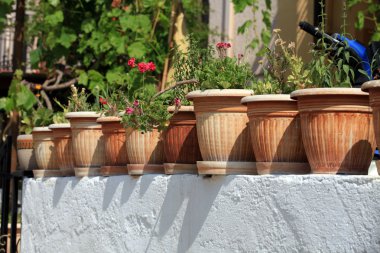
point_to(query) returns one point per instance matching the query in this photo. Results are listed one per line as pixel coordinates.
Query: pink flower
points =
(136, 103)
(129, 110)
(102, 101)
(240, 56)
(177, 101)
(151, 66)
(132, 62)
(223, 45)
(143, 67)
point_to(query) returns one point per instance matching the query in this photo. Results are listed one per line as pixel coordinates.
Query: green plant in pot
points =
(116, 158)
(145, 118)
(336, 122)
(274, 120)
(221, 119)
(87, 136)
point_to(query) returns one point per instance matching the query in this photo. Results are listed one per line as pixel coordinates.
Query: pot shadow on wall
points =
(59, 188)
(189, 151)
(356, 156)
(243, 142)
(111, 185)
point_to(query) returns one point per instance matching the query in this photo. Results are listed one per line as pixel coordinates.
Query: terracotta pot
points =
(373, 88)
(116, 157)
(145, 152)
(223, 135)
(337, 129)
(275, 128)
(88, 143)
(43, 146)
(63, 148)
(25, 152)
(181, 142)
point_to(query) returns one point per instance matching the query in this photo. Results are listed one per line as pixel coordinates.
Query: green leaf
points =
(54, 2)
(83, 78)
(138, 23)
(376, 36)
(35, 57)
(66, 38)
(117, 42)
(265, 36)
(359, 24)
(137, 49)
(88, 25)
(55, 18)
(25, 98)
(244, 27)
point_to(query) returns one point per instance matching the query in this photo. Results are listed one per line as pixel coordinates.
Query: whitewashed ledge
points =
(189, 213)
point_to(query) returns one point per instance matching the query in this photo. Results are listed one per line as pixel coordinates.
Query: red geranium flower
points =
(151, 66)
(129, 110)
(143, 67)
(102, 101)
(177, 101)
(132, 62)
(136, 103)
(224, 45)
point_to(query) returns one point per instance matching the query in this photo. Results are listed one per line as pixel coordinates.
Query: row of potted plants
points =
(327, 130)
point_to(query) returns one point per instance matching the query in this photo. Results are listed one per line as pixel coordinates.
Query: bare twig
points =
(191, 81)
(58, 86)
(46, 99)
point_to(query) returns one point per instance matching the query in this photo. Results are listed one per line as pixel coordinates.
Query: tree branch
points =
(47, 100)
(191, 81)
(58, 86)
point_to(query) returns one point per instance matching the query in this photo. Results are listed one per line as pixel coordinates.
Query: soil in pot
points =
(275, 129)
(181, 146)
(87, 143)
(25, 152)
(63, 148)
(337, 129)
(223, 134)
(43, 146)
(116, 157)
(145, 152)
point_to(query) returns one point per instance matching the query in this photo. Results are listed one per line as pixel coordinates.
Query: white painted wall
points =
(188, 213)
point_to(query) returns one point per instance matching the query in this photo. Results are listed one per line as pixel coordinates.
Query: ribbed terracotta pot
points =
(222, 130)
(63, 148)
(116, 157)
(43, 146)
(337, 129)
(275, 129)
(181, 146)
(145, 152)
(25, 152)
(88, 143)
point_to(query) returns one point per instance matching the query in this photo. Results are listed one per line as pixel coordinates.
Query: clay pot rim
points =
(60, 125)
(41, 129)
(87, 114)
(184, 108)
(25, 137)
(373, 84)
(327, 91)
(219, 93)
(108, 119)
(267, 97)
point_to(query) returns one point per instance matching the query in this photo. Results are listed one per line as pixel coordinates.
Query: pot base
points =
(68, 173)
(113, 170)
(141, 169)
(264, 168)
(46, 173)
(180, 168)
(87, 171)
(226, 168)
(339, 171)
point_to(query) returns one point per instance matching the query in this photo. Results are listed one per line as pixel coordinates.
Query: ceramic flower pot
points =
(337, 129)
(87, 143)
(25, 152)
(116, 157)
(63, 148)
(181, 146)
(275, 129)
(43, 146)
(145, 152)
(223, 135)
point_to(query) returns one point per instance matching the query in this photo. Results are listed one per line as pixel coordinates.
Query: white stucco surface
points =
(188, 213)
